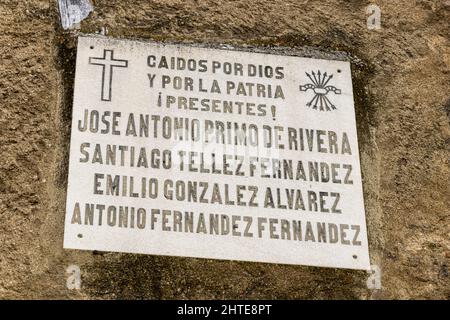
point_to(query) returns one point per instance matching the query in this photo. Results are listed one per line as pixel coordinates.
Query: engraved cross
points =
(108, 63)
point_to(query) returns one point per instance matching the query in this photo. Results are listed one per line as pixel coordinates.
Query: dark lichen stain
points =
(123, 276)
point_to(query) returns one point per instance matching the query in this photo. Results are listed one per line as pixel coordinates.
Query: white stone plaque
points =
(212, 153)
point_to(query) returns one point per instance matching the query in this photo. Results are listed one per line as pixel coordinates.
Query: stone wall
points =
(401, 85)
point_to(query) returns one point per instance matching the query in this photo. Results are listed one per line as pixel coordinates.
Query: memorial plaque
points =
(214, 153)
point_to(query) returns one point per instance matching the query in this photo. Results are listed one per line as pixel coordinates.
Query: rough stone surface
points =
(401, 80)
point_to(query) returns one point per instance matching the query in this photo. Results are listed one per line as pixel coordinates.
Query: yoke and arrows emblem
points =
(321, 89)
(108, 63)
